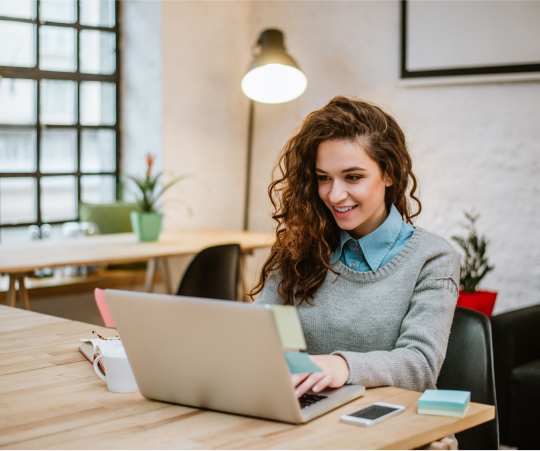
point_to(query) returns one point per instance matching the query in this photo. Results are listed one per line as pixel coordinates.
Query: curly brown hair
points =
(306, 231)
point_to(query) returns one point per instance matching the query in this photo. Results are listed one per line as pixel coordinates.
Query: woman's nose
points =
(337, 194)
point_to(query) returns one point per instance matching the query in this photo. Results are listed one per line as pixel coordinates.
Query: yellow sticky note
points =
(288, 326)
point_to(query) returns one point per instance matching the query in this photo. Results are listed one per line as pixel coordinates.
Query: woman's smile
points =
(343, 212)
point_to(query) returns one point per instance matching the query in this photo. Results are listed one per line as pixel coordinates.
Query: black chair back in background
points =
(213, 273)
(516, 347)
(469, 366)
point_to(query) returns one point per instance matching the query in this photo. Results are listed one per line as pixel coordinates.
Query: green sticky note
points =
(288, 326)
(299, 362)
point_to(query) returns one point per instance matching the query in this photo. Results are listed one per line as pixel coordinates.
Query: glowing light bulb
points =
(274, 83)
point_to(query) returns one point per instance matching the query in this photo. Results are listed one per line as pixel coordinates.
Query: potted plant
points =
(473, 269)
(147, 222)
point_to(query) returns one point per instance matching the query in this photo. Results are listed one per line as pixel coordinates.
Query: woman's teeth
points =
(344, 209)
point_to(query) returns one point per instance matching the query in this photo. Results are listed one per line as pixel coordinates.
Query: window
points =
(59, 97)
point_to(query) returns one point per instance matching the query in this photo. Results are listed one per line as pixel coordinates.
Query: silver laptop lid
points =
(205, 353)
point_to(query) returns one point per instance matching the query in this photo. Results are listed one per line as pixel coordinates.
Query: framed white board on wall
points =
(469, 41)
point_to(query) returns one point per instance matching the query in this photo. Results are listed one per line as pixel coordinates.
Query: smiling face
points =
(349, 177)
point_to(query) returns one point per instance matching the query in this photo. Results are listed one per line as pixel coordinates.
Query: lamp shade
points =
(273, 76)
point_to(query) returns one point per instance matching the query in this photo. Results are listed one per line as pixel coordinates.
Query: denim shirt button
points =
(356, 246)
(352, 265)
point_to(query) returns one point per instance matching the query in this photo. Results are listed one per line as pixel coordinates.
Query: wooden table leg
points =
(163, 264)
(23, 293)
(150, 273)
(12, 290)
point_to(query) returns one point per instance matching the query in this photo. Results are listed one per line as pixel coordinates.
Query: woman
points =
(375, 295)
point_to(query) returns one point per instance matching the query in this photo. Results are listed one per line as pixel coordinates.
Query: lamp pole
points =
(272, 77)
(248, 169)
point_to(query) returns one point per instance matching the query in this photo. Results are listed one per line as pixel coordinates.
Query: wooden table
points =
(50, 397)
(20, 261)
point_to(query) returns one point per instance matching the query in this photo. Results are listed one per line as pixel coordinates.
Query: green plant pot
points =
(146, 226)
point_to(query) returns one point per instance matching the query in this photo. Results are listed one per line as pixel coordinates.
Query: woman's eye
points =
(354, 178)
(322, 178)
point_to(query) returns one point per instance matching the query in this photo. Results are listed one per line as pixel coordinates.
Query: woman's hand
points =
(335, 374)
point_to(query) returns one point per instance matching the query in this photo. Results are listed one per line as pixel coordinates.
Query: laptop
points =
(213, 354)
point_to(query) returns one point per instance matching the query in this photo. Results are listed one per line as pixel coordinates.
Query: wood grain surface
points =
(50, 397)
(120, 248)
(14, 319)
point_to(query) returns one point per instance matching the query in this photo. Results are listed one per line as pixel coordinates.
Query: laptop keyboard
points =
(309, 399)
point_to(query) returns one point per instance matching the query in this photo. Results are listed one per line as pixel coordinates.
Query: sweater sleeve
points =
(420, 349)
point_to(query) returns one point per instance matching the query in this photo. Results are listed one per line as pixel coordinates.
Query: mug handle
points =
(96, 368)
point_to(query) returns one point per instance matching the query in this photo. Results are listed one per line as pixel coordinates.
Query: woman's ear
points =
(387, 180)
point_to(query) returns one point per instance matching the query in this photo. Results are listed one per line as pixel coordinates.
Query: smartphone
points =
(372, 414)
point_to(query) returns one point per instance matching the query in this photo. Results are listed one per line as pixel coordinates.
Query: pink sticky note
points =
(101, 302)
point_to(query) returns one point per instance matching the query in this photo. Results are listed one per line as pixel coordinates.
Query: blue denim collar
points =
(376, 245)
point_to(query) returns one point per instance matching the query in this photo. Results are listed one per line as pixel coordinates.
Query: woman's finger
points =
(308, 383)
(298, 378)
(323, 383)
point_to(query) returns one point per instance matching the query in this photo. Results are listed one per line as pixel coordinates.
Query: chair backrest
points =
(469, 366)
(213, 273)
(101, 302)
(515, 342)
(110, 218)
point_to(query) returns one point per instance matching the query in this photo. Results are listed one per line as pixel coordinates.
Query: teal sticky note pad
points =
(451, 399)
(299, 362)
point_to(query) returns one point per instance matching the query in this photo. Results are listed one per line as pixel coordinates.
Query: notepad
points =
(92, 347)
(292, 339)
(288, 326)
(451, 403)
(299, 362)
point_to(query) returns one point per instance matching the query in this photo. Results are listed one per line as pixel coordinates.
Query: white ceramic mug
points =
(119, 377)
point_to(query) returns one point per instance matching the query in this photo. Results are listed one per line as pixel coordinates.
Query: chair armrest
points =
(516, 336)
(516, 340)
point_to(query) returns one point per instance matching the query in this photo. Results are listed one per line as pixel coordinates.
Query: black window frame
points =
(34, 73)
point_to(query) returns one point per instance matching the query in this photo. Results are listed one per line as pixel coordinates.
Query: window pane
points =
(97, 52)
(15, 235)
(18, 101)
(98, 189)
(20, 235)
(18, 44)
(58, 198)
(98, 151)
(97, 13)
(57, 49)
(25, 9)
(58, 11)
(98, 103)
(58, 151)
(17, 200)
(17, 150)
(58, 102)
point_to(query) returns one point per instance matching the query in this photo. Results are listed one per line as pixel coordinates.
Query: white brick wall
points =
(474, 146)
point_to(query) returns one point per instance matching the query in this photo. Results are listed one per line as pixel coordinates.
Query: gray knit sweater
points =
(391, 326)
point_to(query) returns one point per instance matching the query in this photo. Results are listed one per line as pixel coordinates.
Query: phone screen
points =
(373, 412)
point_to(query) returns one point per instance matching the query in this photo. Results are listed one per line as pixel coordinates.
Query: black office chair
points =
(469, 366)
(213, 273)
(516, 347)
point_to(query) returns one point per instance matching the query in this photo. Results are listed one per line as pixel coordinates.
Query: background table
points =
(21, 260)
(50, 397)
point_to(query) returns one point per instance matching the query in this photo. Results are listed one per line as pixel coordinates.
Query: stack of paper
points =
(450, 403)
(292, 339)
